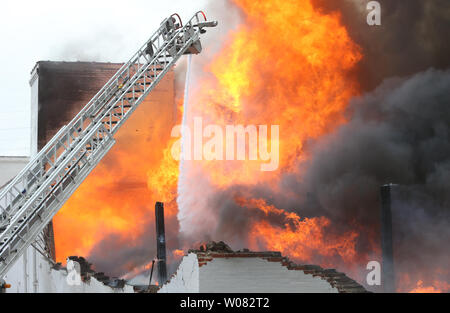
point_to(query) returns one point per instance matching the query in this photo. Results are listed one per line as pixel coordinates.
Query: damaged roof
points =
(211, 250)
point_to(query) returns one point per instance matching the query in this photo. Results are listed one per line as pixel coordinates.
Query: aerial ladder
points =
(34, 196)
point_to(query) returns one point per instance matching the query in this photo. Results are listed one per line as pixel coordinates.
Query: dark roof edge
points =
(338, 280)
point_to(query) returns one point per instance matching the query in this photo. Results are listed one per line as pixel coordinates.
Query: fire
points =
(118, 197)
(164, 179)
(435, 287)
(286, 65)
(178, 254)
(290, 65)
(302, 239)
(422, 282)
(422, 289)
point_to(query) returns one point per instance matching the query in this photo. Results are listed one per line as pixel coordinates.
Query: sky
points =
(49, 30)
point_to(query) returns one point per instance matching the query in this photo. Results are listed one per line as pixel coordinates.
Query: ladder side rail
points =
(20, 186)
(120, 72)
(52, 182)
(162, 48)
(19, 183)
(134, 60)
(70, 158)
(147, 89)
(37, 213)
(179, 35)
(152, 64)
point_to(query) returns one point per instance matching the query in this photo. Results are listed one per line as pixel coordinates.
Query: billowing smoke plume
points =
(397, 132)
(410, 39)
(129, 254)
(117, 255)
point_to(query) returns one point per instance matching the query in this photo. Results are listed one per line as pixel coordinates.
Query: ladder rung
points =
(135, 91)
(125, 106)
(148, 76)
(114, 102)
(145, 84)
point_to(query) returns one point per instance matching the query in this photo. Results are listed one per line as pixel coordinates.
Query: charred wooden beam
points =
(160, 243)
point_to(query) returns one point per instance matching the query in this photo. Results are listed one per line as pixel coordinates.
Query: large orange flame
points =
(286, 64)
(289, 65)
(304, 239)
(119, 196)
(437, 287)
(430, 281)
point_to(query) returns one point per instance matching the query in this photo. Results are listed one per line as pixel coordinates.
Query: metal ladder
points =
(33, 197)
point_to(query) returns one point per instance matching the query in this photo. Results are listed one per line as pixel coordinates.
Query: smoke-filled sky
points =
(397, 129)
(100, 30)
(411, 37)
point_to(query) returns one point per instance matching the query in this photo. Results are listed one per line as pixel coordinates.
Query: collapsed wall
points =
(50, 278)
(216, 268)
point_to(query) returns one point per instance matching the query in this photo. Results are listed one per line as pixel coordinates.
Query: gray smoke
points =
(411, 38)
(399, 133)
(421, 228)
(118, 256)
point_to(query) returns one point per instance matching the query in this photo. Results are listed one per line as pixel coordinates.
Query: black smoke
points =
(399, 133)
(412, 36)
(118, 256)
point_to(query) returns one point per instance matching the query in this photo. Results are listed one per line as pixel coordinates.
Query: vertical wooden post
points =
(160, 243)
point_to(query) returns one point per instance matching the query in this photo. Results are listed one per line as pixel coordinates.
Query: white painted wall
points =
(24, 279)
(34, 107)
(242, 275)
(10, 166)
(32, 272)
(22, 274)
(185, 280)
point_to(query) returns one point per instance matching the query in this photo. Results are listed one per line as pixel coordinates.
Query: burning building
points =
(122, 180)
(58, 91)
(216, 268)
(354, 114)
